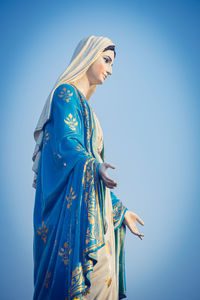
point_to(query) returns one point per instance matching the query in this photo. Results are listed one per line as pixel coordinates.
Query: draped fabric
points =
(106, 280)
(86, 52)
(69, 211)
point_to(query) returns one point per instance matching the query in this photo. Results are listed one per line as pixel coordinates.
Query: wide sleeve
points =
(68, 127)
(119, 211)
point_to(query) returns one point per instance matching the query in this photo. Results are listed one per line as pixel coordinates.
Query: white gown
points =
(103, 279)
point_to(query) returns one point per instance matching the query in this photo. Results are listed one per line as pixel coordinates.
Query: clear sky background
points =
(149, 112)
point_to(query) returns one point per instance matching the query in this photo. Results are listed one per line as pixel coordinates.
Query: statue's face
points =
(101, 67)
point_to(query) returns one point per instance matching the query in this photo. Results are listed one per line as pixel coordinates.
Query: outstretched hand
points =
(130, 220)
(104, 176)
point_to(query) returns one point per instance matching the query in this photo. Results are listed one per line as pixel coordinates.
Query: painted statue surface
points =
(79, 223)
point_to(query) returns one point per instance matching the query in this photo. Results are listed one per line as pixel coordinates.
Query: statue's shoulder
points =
(67, 93)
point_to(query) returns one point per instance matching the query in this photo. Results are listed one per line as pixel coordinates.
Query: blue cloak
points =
(69, 212)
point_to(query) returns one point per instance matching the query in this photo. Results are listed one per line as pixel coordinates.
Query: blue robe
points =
(69, 212)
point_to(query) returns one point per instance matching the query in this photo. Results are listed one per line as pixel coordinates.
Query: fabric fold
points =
(69, 212)
(119, 211)
(69, 205)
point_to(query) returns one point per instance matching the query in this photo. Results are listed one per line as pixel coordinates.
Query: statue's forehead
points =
(109, 53)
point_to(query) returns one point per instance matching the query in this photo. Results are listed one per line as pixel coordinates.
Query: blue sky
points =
(149, 112)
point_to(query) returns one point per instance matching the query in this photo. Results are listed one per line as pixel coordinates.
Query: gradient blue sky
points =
(149, 112)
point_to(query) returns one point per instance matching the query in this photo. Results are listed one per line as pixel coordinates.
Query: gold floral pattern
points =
(108, 281)
(77, 281)
(87, 264)
(70, 198)
(46, 138)
(79, 148)
(89, 195)
(71, 121)
(42, 231)
(88, 127)
(47, 279)
(118, 213)
(94, 234)
(65, 94)
(65, 253)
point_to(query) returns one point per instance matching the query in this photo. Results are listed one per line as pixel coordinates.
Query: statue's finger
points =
(109, 180)
(109, 185)
(140, 221)
(110, 166)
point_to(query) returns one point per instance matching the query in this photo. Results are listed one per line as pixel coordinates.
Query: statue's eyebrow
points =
(109, 58)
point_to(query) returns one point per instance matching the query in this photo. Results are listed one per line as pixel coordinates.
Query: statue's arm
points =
(69, 127)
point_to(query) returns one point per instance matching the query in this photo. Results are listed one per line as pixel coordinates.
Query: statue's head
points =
(92, 58)
(102, 66)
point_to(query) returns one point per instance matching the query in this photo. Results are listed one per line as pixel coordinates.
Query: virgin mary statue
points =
(79, 223)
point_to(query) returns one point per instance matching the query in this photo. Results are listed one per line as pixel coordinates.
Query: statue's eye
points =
(106, 60)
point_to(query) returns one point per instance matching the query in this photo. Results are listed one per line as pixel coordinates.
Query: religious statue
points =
(79, 223)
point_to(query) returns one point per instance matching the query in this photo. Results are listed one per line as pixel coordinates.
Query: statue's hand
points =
(130, 220)
(103, 175)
